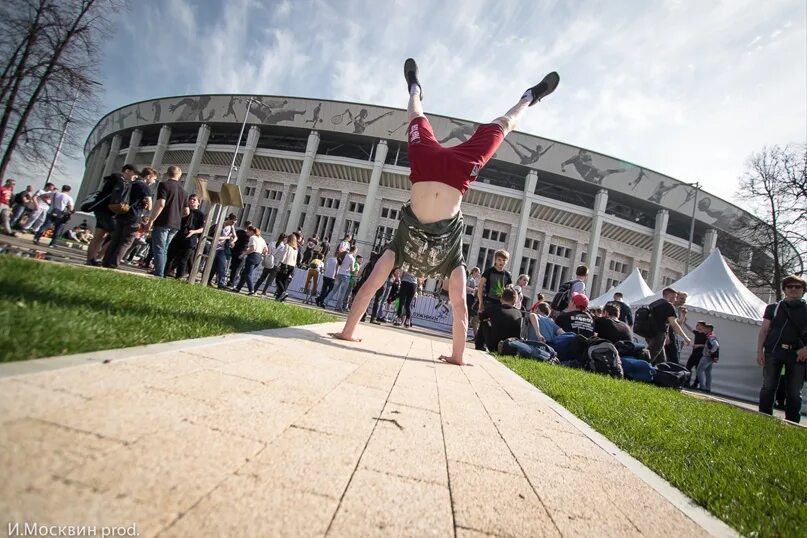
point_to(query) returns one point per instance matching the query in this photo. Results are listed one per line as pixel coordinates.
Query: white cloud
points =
(683, 87)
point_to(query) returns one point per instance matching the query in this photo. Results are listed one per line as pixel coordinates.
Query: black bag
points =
(671, 375)
(643, 322)
(119, 202)
(93, 201)
(561, 299)
(602, 357)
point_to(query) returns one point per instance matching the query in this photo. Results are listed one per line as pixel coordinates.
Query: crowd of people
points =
(41, 212)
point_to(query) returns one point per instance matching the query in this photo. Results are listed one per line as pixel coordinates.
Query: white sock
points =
(414, 89)
(527, 96)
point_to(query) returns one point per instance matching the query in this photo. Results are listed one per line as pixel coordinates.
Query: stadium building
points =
(333, 167)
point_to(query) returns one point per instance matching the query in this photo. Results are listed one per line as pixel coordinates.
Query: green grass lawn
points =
(49, 309)
(747, 469)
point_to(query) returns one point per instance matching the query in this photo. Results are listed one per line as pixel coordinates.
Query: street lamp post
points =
(220, 210)
(64, 132)
(697, 187)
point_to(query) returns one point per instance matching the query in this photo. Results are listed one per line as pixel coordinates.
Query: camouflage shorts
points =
(425, 250)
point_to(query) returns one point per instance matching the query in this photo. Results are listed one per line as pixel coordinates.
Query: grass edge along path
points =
(747, 469)
(49, 309)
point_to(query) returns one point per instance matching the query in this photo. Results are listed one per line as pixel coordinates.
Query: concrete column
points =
(539, 278)
(90, 168)
(526, 209)
(365, 232)
(134, 145)
(600, 202)
(660, 230)
(98, 168)
(114, 149)
(311, 211)
(709, 241)
(744, 262)
(162, 144)
(245, 167)
(476, 243)
(196, 160)
(302, 181)
(280, 220)
(600, 288)
(338, 230)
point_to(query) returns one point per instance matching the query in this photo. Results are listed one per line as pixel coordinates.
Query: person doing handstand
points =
(428, 241)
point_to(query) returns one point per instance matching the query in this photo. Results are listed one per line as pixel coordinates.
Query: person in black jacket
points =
(104, 218)
(782, 341)
(127, 225)
(241, 241)
(500, 321)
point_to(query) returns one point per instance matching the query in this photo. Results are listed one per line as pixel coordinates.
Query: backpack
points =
(626, 348)
(602, 357)
(568, 346)
(119, 198)
(561, 299)
(712, 347)
(671, 375)
(93, 201)
(638, 370)
(644, 324)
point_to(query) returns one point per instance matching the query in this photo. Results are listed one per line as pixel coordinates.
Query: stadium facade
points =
(331, 167)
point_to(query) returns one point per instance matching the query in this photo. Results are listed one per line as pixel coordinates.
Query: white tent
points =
(716, 296)
(633, 288)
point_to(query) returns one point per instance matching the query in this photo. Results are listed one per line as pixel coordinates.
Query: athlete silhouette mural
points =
(661, 189)
(462, 131)
(529, 155)
(193, 109)
(583, 163)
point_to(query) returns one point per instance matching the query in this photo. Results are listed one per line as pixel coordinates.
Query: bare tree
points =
(52, 52)
(778, 234)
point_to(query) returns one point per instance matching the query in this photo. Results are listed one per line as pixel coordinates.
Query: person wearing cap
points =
(664, 317)
(782, 341)
(577, 320)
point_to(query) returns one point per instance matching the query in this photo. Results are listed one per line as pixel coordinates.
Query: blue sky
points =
(687, 88)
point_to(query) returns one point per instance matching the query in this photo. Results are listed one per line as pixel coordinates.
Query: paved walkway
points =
(287, 433)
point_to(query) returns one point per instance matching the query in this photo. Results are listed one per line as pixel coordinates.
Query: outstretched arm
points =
(547, 149)
(384, 115)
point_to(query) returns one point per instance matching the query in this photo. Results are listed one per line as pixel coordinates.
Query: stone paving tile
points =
(407, 442)
(97, 379)
(347, 410)
(128, 416)
(37, 400)
(249, 505)
(32, 452)
(62, 503)
(377, 504)
(253, 437)
(173, 468)
(174, 363)
(308, 461)
(497, 503)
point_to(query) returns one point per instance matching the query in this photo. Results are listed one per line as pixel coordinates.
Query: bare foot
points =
(340, 336)
(451, 360)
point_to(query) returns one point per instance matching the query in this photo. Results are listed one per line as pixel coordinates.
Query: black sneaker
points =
(411, 75)
(545, 87)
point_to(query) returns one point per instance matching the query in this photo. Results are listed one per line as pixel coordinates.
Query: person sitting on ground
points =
(625, 311)
(577, 321)
(542, 327)
(538, 300)
(610, 327)
(711, 354)
(428, 241)
(500, 321)
(72, 235)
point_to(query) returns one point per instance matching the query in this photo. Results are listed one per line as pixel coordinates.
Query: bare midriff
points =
(433, 201)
